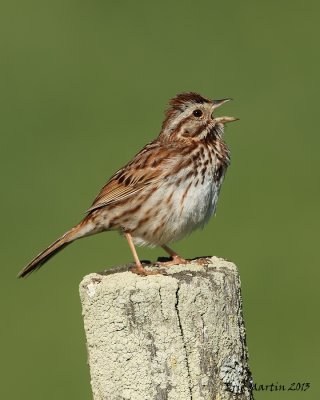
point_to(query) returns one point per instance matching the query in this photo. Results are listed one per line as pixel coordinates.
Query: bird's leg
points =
(138, 269)
(176, 259)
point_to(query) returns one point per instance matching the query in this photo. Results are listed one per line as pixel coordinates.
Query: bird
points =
(169, 188)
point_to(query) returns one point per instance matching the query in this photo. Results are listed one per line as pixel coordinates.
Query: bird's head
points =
(191, 116)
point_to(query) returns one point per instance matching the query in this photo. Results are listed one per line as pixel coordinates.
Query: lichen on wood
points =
(178, 336)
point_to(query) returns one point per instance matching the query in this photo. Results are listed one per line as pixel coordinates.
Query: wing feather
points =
(134, 177)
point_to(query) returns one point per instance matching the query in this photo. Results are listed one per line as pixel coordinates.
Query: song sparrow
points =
(170, 187)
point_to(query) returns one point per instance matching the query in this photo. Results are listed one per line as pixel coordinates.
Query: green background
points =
(83, 88)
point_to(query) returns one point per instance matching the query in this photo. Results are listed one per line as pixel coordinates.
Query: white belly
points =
(195, 211)
(191, 206)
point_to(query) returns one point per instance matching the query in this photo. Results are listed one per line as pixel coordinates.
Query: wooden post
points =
(179, 336)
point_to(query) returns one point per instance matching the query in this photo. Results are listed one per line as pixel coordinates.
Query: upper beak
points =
(222, 120)
(218, 103)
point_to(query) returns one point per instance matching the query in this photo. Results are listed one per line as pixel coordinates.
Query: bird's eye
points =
(197, 113)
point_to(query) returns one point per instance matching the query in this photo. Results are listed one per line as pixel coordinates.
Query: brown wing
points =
(146, 168)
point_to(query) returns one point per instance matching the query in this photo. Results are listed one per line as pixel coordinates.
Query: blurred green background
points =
(83, 88)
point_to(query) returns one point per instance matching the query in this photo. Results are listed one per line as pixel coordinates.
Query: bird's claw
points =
(175, 260)
(140, 270)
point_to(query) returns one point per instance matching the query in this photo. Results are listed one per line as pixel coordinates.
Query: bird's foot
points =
(175, 260)
(140, 270)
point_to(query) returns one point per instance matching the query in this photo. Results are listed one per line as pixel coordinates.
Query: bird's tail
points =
(84, 228)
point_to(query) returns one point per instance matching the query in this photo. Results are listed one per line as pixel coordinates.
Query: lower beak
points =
(224, 120)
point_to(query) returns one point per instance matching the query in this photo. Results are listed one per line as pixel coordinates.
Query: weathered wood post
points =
(179, 336)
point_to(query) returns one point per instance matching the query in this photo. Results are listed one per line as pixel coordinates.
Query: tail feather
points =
(75, 233)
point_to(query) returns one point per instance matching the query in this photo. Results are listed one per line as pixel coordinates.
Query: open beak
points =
(222, 120)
